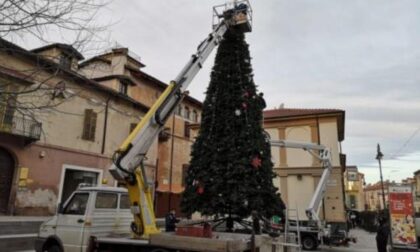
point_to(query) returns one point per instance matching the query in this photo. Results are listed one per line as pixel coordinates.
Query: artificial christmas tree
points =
(230, 171)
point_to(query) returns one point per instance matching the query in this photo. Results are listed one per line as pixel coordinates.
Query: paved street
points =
(365, 243)
(17, 233)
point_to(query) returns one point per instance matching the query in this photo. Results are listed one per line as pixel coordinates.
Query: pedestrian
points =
(382, 234)
(353, 219)
(170, 221)
(256, 227)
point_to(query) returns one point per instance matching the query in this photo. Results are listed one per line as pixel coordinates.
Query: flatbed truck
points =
(127, 167)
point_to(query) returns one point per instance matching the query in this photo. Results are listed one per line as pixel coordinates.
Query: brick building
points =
(373, 195)
(92, 107)
(354, 182)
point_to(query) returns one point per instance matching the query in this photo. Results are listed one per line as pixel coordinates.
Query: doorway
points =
(7, 169)
(74, 177)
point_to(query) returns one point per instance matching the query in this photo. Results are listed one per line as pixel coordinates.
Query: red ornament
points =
(200, 190)
(256, 162)
(244, 105)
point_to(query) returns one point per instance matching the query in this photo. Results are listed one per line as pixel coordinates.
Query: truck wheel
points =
(53, 248)
(309, 243)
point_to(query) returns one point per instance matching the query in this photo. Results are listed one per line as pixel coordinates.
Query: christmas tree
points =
(230, 171)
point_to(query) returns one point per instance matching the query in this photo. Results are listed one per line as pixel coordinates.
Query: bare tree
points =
(72, 22)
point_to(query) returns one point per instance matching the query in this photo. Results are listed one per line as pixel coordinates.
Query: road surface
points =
(365, 243)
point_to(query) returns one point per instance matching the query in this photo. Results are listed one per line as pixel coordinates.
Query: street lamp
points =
(379, 157)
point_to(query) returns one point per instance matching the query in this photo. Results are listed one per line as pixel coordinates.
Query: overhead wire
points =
(404, 145)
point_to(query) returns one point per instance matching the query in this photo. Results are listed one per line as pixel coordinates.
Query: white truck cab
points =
(98, 211)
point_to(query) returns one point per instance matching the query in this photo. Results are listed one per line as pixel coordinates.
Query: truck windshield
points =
(77, 204)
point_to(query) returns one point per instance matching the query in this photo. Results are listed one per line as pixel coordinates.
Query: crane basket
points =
(237, 14)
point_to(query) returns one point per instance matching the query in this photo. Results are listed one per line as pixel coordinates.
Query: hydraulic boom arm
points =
(128, 159)
(325, 157)
(132, 152)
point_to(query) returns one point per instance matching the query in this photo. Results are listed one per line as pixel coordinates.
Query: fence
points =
(21, 126)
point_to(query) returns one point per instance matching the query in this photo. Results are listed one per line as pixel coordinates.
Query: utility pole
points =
(379, 157)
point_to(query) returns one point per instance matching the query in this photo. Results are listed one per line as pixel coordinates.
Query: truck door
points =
(70, 223)
(104, 214)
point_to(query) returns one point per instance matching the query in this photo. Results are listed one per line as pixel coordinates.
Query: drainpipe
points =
(105, 125)
(155, 184)
(171, 163)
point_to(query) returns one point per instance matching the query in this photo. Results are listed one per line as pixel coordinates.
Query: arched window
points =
(195, 116)
(179, 110)
(187, 113)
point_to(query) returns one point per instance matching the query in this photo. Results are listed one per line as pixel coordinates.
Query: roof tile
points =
(287, 112)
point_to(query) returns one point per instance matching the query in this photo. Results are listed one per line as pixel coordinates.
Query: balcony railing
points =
(20, 126)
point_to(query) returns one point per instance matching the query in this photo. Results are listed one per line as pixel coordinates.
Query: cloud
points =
(393, 170)
(360, 56)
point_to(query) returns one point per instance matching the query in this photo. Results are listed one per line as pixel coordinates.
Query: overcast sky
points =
(362, 56)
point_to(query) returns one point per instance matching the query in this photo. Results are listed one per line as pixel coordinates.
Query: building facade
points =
(298, 171)
(60, 122)
(373, 195)
(119, 69)
(353, 185)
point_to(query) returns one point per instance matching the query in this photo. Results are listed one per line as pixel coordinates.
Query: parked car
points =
(98, 211)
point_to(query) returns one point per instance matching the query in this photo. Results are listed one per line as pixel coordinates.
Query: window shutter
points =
(86, 126)
(195, 116)
(89, 125)
(93, 125)
(187, 113)
(186, 129)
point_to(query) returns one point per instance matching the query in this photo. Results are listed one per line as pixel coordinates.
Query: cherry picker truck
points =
(314, 232)
(127, 165)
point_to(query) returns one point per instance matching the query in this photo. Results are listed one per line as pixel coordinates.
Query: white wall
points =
(297, 157)
(329, 137)
(299, 193)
